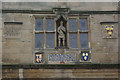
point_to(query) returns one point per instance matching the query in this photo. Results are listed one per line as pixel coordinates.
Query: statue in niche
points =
(61, 35)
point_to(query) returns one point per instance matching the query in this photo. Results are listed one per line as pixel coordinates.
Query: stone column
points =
(0, 40)
(20, 73)
(119, 38)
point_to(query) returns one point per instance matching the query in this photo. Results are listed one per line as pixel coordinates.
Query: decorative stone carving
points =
(109, 31)
(85, 56)
(56, 57)
(61, 34)
(12, 31)
(61, 31)
(38, 57)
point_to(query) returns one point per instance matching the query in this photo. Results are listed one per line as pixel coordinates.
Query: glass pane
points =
(39, 40)
(72, 25)
(50, 40)
(84, 40)
(39, 24)
(73, 40)
(50, 24)
(83, 24)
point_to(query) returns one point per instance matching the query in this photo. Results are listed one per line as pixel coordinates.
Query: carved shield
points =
(38, 58)
(85, 56)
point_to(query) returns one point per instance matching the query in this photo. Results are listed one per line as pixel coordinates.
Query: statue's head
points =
(61, 23)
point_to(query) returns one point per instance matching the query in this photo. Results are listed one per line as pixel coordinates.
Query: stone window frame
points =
(44, 31)
(68, 17)
(79, 31)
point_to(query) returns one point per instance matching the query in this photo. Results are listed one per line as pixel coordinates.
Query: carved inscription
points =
(61, 57)
(12, 31)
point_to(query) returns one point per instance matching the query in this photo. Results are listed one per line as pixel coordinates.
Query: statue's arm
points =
(63, 29)
(58, 30)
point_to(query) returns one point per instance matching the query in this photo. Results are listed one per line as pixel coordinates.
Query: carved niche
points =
(61, 24)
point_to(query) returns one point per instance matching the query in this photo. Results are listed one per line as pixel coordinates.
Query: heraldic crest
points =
(109, 30)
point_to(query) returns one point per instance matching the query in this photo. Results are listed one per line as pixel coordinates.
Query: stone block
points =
(11, 58)
(26, 35)
(86, 6)
(70, 73)
(0, 23)
(10, 73)
(0, 34)
(26, 58)
(104, 58)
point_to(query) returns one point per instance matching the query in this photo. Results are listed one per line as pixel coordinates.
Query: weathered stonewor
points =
(61, 73)
(18, 44)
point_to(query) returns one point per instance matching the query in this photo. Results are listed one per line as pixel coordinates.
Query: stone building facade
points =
(66, 33)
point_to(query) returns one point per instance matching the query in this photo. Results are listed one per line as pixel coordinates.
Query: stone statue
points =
(61, 35)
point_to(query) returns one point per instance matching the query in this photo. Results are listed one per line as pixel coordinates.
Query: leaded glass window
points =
(83, 24)
(39, 24)
(72, 25)
(44, 33)
(76, 30)
(49, 24)
(84, 33)
(39, 40)
(50, 40)
(73, 40)
(84, 40)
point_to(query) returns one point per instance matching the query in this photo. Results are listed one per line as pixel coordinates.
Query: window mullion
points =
(44, 29)
(68, 41)
(78, 34)
(89, 38)
(55, 33)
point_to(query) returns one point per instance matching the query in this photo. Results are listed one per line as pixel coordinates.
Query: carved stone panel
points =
(109, 30)
(12, 31)
(58, 58)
